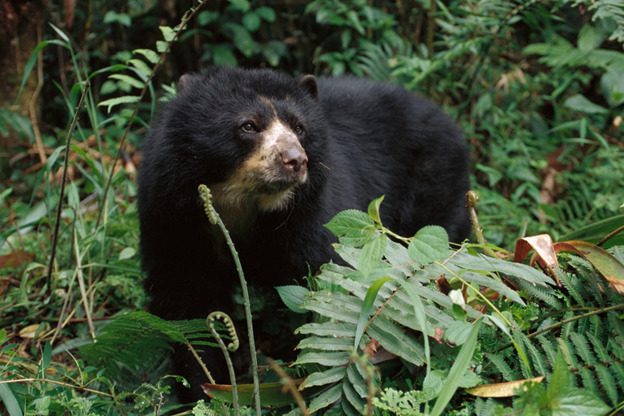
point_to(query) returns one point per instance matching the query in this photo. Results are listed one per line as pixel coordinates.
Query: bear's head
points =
(253, 137)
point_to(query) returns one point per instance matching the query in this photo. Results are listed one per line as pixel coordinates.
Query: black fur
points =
(362, 140)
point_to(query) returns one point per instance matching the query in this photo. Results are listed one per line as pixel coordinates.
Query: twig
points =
(70, 133)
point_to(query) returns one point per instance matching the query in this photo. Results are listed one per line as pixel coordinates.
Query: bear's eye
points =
(299, 129)
(249, 127)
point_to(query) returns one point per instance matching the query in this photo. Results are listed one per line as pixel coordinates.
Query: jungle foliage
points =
(410, 326)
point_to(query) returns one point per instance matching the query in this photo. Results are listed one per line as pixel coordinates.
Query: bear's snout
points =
(294, 158)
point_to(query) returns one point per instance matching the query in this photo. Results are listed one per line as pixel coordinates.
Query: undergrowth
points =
(409, 326)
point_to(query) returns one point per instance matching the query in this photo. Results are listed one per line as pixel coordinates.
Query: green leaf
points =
(167, 32)
(251, 21)
(293, 297)
(326, 398)
(266, 13)
(33, 59)
(578, 102)
(127, 253)
(371, 254)
(206, 17)
(373, 209)
(9, 401)
(461, 364)
(458, 332)
(588, 40)
(242, 5)
(149, 54)
(128, 99)
(350, 223)
(321, 378)
(367, 307)
(123, 19)
(326, 358)
(141, 66)
(430, 243)
(133, 82)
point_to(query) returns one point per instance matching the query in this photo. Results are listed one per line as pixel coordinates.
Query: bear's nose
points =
(294, 158)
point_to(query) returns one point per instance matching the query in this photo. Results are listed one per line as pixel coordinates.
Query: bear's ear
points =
(184, 81)
(308, 82)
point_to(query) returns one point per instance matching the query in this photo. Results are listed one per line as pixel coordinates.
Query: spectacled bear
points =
(282, 156)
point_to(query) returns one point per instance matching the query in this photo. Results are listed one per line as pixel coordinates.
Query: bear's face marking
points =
(267, 178)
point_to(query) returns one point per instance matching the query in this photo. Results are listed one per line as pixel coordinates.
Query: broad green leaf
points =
(352, 224)
(242, 5)
(458, 332)
(292, 296)
(371, 254)
(578, 402)
(588, 40)
(206, 17)
(251, 21)
(461, 364)
(127, 253)
(430, 243)
(266, 13)
(578, 102)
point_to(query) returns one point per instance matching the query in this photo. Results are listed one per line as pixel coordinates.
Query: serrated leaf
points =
(293, 297)
(430, 243)
(371, 254)
(458, 332)
(350, 223)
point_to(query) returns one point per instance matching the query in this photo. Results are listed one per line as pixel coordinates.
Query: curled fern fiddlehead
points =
(206, 196)
(225, 318)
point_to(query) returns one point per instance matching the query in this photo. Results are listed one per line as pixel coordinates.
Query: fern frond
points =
(129, 340)
(503, 367)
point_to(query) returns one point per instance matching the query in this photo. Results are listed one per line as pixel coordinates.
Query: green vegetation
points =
(414, 327)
